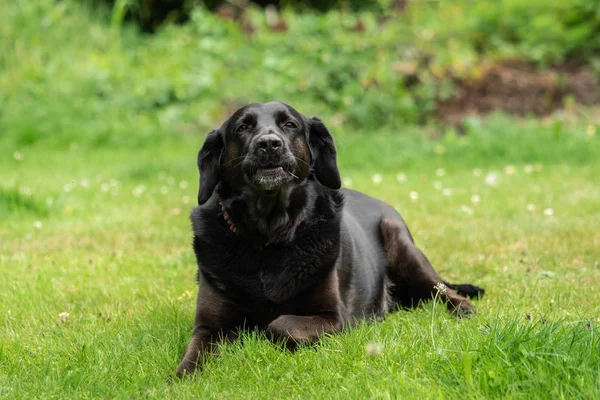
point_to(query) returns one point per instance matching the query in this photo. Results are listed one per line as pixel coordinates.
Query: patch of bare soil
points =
(520, 89)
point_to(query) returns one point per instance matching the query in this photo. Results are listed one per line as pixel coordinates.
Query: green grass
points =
(103, 235)
(99, 129)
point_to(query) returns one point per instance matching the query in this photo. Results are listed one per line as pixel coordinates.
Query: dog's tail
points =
(466, 289)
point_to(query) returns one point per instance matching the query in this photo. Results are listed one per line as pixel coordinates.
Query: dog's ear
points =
(209, 164)
(324, 154)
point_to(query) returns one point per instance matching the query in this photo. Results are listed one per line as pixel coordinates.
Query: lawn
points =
(97, 273)
(99, 130)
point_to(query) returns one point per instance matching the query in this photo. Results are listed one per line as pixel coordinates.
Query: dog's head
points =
(265, 148)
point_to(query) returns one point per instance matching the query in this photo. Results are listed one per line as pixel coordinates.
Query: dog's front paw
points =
(293, 330)
(185, 368)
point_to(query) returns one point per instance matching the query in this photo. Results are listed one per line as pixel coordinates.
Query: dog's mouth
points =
(271, 170)
(272, 177)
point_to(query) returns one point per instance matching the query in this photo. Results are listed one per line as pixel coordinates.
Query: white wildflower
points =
(531, 207)
(509, 170)
(62, 317)
(440, 172)
(164, 190)
(491, 179)
(548, 212)
(68, 187)
(347, 182)
(477, 172)
(185, 199)
(85, 183)
(139, 190)
(447, 192)
(546, 274)
(377, 178)
(105, 187)
(475, 199)
(37, 224)
(466, 209)
(438, 185)
(440, 288)
(183, 184)
(414, 196)
(373, 349)
(401, 177)
(18, 156)
(528, 168)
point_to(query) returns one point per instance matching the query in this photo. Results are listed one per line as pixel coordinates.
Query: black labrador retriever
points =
(281, 247)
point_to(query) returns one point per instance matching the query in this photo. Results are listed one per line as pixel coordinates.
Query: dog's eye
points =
(242, 128)
(290, 124)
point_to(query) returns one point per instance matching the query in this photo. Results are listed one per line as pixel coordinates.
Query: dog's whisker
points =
(302, 161)
(232, 160)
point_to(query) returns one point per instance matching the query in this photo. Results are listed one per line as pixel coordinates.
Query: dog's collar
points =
(234, 228)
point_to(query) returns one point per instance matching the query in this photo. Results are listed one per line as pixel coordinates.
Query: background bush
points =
(104, 84)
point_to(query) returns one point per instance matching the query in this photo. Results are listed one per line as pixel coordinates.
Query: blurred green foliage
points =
(72, 74)
(14, 203)
(150, 15)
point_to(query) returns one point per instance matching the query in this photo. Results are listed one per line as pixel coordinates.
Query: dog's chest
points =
(275, 273)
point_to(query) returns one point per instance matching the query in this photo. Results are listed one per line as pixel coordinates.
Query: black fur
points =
(325, 155)
(208, 165)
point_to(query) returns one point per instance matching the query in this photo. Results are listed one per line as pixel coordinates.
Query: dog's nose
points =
(269, 142)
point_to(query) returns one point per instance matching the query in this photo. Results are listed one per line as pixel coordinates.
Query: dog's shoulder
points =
(327, 204)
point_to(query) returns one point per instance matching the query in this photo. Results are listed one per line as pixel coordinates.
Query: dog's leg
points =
(412, 275)
(323, 315)
(215, 319)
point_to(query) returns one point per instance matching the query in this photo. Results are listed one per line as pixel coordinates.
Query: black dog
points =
(281, 247)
